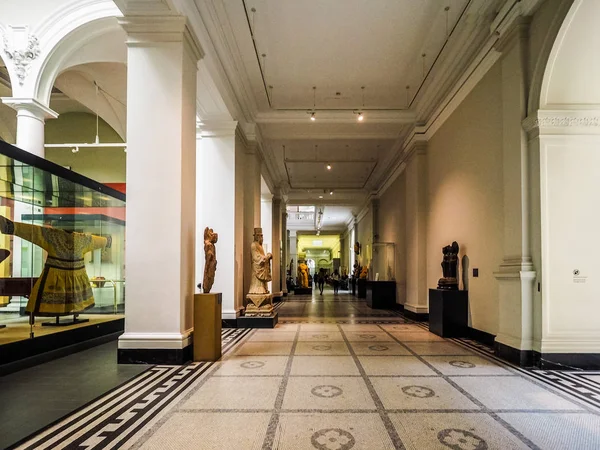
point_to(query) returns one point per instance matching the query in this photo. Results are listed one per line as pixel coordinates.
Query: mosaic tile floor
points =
(339, 384)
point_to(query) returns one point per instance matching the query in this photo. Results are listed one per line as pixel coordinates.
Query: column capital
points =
(143, 31)
(215, 128)
(30, 106)
(517, 32)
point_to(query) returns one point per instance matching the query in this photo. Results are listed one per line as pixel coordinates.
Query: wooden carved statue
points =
(210, 259)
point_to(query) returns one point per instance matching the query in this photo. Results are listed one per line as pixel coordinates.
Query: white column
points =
(285, 259)
(161, 188)
(416, 231)
(215, 207)
(293, 253)
(252, 209)
(266, 220)
(277, 285)
(516, 274)
(31, 117)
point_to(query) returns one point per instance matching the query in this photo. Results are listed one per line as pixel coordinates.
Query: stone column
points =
(285, 259)
(293, 253)
(416, 306)
(516, 274)
(252, 208)
(276, 249)
(217, 191)
(31, 117)
(161, 188)
(266, 221)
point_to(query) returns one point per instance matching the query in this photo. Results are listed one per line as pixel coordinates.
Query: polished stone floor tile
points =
(394, 365)
(318, 327)
(286, 326)
(320, 336)
(330, 348)
(512, 393)
(235, 393)
(327, 393)
(331, 432)
(379, 348)
(324, 365)
(360, 327)
(265, 348)
(252, 365)
(441, 431)
(368, 336)
(210, 431)
(438, 348)
(420, 393)
(558, 431)
(273, 336)
(416, 336)
(466, 365)
(405, 327)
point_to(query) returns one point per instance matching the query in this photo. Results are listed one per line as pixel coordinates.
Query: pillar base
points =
(258, 322)
(168, 356)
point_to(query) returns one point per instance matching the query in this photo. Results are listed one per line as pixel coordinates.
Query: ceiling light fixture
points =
(75, 150)
(330, 192)
(361, 117)
(320, 196)
(328, 166)
(312, 117)
(312, 113)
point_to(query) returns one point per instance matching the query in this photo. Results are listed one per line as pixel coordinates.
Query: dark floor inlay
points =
(462, 364)
(252, 364)
(418, 391)
(378, 348)
(326, 391)
(333, 439)
(457, 439)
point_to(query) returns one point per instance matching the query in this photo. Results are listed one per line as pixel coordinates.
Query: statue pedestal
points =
(207, 327)
(448, 312)
(259, 312)
(303, 291)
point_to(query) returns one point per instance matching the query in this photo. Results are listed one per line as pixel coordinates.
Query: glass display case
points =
(62, 254)
(383, 262)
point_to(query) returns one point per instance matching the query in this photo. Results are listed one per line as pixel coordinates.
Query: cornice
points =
(30, 105)
(516, 31)
(146, 7)
(561, 122)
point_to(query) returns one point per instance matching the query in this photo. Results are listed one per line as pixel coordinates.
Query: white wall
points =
(392, 228)
(465, 195)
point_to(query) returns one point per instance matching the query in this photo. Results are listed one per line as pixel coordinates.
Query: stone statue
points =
(449, 281)
(302, 274)
(357, 248)
(210, 258)
(260, 301)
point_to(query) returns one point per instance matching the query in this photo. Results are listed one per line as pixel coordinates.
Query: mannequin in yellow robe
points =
(63, 287)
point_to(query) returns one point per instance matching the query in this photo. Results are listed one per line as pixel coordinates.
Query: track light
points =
(330, 192)
(360, 117)
(75, 150)
(328, 166)
(320, 196)
(312, 117)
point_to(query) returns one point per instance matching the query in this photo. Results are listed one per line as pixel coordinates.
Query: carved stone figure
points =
(449, 267)
(302, 274)
(260, 301)
(210, 258)
(357, 248)
(365, 272)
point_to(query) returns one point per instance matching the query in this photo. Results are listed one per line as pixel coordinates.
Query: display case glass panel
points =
(383, 262)
(62, 248)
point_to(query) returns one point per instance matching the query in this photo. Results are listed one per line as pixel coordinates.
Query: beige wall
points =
(392, 228)
(365, 237)
(465, 195)
(106, 165)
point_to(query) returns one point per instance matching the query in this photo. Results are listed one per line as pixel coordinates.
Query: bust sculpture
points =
(210, 259)
(260, 301)
(302, 274)
(449, 280)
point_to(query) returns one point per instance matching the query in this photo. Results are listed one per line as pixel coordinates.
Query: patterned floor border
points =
(120, 414)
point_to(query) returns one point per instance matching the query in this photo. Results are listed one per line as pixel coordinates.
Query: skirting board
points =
(169, 356)
(418, 317)
(482, 337)
(521, 358)
(567, 361)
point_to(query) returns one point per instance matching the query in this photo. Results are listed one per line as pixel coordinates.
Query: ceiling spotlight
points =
(312, 117)
(328, 166)
(330, 192)
(125, 149)
(75, 150)
(320, 196)
(360, 117)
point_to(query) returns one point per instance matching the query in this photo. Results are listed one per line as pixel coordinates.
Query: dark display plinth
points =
(361, 288)
(381, 294)
(258, 322)
(303, 291)
(448, 312)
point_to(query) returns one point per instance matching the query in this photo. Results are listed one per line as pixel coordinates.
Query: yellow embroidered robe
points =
(64, 286)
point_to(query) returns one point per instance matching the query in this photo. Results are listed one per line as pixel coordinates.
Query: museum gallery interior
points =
(283, 224)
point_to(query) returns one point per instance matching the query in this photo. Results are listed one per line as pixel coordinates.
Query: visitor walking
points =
(336, 281)
(321, 280)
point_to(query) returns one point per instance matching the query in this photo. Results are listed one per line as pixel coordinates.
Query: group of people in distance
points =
(322, 277)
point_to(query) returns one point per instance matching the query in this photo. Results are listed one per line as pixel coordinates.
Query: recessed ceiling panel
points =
(343, 174)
